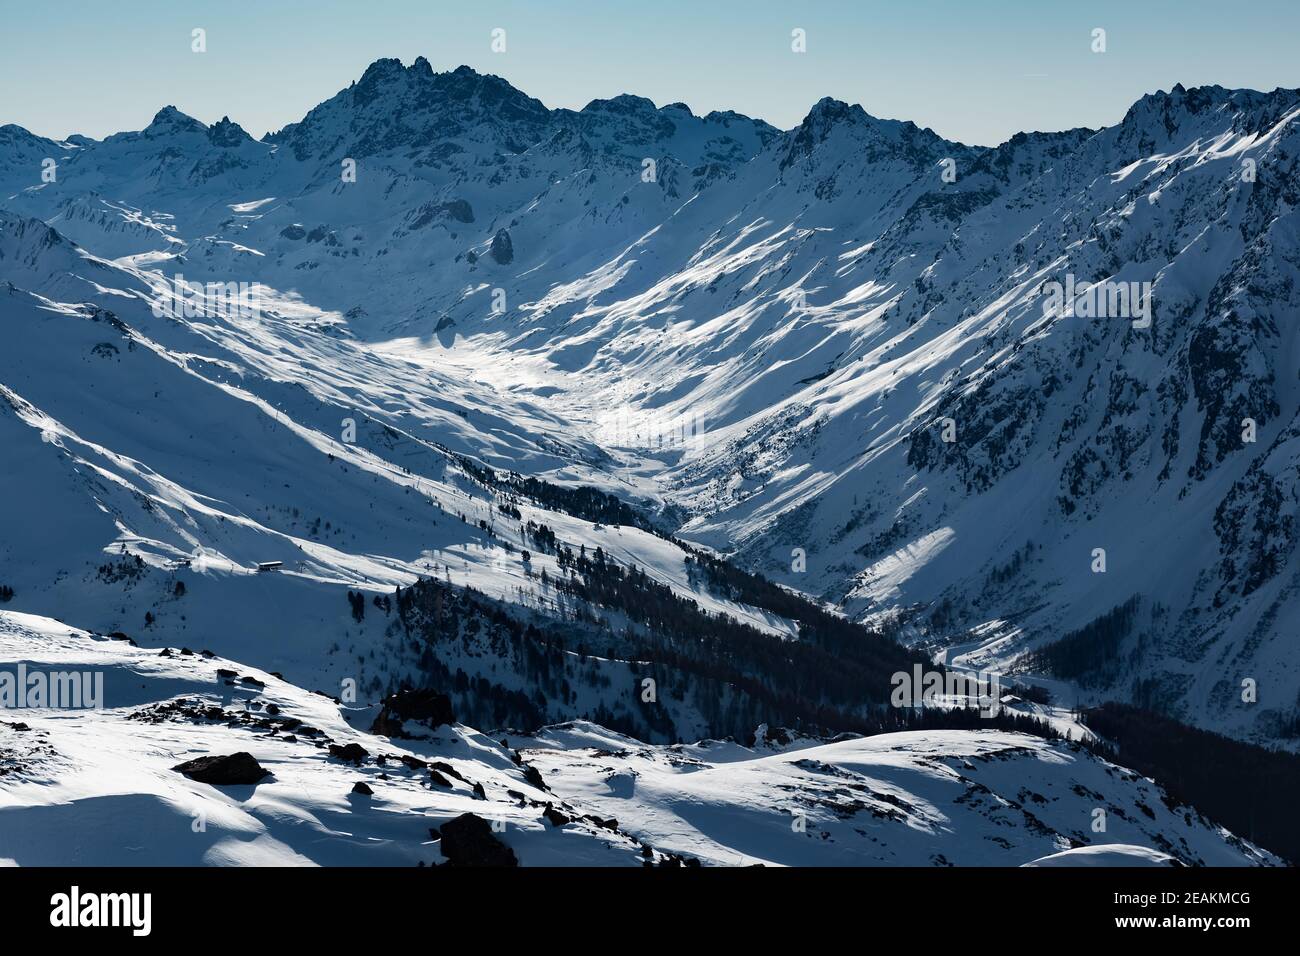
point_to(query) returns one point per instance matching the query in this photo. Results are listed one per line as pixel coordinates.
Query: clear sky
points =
(973, 71)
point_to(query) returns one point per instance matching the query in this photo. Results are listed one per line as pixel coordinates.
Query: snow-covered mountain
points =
(498, 385)
(818, 304)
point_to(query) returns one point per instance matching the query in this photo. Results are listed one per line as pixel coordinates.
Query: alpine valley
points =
(652, 445)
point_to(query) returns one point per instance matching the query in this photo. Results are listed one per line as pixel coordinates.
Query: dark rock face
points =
(227, 134)
(468, 840)
(231, 770)
(386, 724)
(459, 210)
(503, 250)
(352, 753)
(443, 767)
(432, 212)
(362, 789)
(534, 776)
(779, 736)
(439, 780)
(424, 705)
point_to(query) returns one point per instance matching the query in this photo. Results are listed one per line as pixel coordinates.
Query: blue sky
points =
(973, 71)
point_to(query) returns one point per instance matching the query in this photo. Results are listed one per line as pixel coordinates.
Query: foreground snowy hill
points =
(101, 785)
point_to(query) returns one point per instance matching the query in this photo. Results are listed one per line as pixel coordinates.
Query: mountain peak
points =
(171, 120)
(168, 114)
(1162, 114)
(224, 132)
(384, 67)
(12, 135)
(626, 103)
(387, 77)
(830, 109)
(903, 139)
(393, 106)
